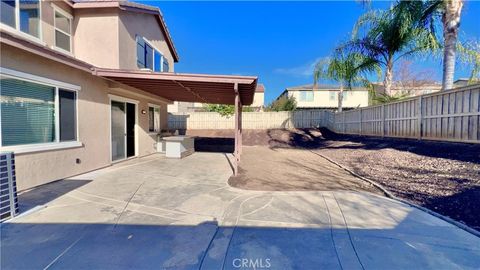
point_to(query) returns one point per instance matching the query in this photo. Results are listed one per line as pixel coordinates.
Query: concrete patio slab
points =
(181, 214)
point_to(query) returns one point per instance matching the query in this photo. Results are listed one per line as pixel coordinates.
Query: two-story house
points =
(85, 84)
(326, 96)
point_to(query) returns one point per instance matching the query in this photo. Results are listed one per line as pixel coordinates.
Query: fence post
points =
(420, 116)
(383, 120)
(361, 120)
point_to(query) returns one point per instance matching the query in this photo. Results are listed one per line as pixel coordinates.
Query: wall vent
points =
(8, 186)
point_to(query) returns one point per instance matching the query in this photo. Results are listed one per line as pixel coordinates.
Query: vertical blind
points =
(28, 112)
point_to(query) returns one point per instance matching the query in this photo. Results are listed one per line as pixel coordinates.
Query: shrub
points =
(284, 103)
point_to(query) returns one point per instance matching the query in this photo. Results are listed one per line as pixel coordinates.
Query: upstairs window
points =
(157, 66)
(148, 57)
(166, 68)
(306, 95)
(63, 30)
(144, 54)
(21, 15)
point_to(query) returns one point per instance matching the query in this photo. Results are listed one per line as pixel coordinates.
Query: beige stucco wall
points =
(321, 99)
(96, 36)
(106, 37)
(93, 121)
(145, 25)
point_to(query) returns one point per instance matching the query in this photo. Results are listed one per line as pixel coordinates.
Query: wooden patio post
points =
(238, 119)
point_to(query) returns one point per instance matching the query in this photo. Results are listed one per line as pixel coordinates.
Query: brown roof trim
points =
(145, 74)
(134, 7)
(44, 51)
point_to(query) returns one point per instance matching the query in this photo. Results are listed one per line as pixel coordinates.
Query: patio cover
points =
(216, 89)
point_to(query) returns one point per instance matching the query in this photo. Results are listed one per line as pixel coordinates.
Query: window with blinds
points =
(28, 113)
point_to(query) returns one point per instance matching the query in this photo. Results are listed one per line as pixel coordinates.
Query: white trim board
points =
(38, 79)
(123, 99)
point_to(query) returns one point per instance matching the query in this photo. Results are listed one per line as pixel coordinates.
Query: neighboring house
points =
(185, 107)
(326, 96)
(259, 97)
(85, 84)
(410, 90)
(464, 82)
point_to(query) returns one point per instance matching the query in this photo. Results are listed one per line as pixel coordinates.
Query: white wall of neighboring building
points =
(258, 99)
(329, 99)
(178, 106)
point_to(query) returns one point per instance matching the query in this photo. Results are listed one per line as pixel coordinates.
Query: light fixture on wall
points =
(144, 112)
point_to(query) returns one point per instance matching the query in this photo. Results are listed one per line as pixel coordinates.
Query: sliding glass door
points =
(118, 130)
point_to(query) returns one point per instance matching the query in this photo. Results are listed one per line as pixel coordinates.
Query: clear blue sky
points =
(276, 41)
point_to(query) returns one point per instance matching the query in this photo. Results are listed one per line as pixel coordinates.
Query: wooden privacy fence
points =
(250, 120)
(452, 115)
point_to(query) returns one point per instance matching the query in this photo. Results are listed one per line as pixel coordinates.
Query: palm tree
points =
(389, 35)
(451, 23)
(449, 12)
(426, 13)
(346, 69)
(470, 55)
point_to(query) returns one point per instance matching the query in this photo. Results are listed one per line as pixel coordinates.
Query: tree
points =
(389, 35)
(427, 13)
(347, 70)
(410, 80)
(224, 110)
(470, 54)
(377, 98)
(451, 23)
(283, 103)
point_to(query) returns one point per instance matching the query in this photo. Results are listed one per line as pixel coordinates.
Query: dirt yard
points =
(444, 177)
(280, 169)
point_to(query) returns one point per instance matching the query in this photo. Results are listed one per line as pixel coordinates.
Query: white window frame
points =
(68, 16)
(57, 144)
(16, 30)
(153, 56)
(154, 106)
